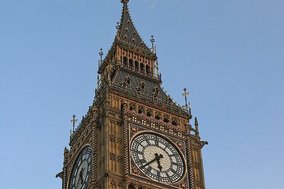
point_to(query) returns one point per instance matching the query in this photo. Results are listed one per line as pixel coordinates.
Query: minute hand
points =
(157, 158)
(148, 163)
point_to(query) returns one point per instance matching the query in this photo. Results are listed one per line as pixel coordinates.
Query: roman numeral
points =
(174, 154)
(169, 176)
(147, 140)
(158, 175)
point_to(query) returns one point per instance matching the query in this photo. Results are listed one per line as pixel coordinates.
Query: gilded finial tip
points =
(124, 1)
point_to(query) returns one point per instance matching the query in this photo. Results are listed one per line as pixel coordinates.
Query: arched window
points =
(175, 121)
(132, 107)
(131, 186)
(130, 63)
(166, 118)
(125, 62)
(141, 110)
(149, 112)
(142, 67)
(158, 116)
(147, 69)
(136, 66)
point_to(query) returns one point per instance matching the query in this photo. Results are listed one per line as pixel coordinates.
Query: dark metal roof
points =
(127, 31)
(132, 84)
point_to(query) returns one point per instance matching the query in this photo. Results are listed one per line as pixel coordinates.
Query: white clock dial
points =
(157, 158)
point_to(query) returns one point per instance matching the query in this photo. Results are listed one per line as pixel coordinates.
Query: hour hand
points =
(159, 165)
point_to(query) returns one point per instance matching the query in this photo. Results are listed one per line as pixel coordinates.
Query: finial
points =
(153, 44)
(156, 68)
(189, 108)
(101, 53)
(196, 125)
(124, 1)
(73, 121)
(185, 94)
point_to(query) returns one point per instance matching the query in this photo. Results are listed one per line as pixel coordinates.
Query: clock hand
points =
(159, 165)
(157, 158)
(158, 161)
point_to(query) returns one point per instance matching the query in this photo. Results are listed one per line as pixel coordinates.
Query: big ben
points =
(133, 136)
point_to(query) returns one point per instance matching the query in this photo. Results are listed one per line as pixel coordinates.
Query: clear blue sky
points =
(228, 53)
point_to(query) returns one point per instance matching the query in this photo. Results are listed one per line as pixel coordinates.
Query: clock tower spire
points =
(133, 135)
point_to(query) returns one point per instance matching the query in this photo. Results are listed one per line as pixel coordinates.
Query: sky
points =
(228, 53)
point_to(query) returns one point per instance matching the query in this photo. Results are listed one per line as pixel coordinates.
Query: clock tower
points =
(133, 136)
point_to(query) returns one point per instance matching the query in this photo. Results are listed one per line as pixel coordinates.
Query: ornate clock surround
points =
(137, 126)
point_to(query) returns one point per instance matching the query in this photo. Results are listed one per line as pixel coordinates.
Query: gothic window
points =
(130, 63)
(149, 112)
(136, 66)
(175, 121)
(147, 69)
(141, 110)
(142, 68)
(128, 80)
(132, 107)
(142, 85)
(158, 115)
(125, 62)
(166, 118)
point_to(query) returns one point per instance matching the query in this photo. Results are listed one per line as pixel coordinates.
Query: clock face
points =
(157, 158)
(82, 169)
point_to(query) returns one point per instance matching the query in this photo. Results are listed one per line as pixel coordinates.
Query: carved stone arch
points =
(142, 68)
(158, 115)
(125, 61)
(166, 118)
(131, 186)
(132, 106)
(141, 110)
(148, 71)
(175, 121)
(149, 112)
(136, 66)
(130, 63)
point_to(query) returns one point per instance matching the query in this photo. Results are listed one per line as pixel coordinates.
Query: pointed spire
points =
(126, 31)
